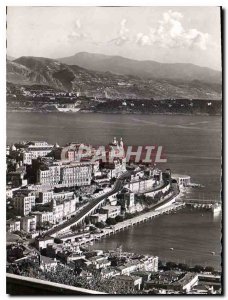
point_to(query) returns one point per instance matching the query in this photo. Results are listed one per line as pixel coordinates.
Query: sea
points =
(192, 146)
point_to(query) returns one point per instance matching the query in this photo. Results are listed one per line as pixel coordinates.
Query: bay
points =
(192, 145)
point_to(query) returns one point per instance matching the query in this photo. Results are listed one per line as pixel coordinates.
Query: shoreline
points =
(113, 113)
(167, 206)
(163, 257)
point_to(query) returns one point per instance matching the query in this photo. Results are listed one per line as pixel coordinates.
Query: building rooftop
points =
(110, 207)
(44, 238)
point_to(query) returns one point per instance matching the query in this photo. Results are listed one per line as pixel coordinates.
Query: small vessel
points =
(195, 185)
(171, 249)
(67, 108)
(213, 253)
(216, 208)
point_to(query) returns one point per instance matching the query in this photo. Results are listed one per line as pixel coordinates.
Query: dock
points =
(131, 222)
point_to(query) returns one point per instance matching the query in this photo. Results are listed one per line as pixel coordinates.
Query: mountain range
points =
(145, 69)
(115, 77)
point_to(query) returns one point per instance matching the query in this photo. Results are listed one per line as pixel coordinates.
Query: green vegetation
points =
(119, 219)
(100, 225)
(111, 221)
(65, 275)
(184, 267)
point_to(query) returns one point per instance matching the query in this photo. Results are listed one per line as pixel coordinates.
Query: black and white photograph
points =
(114, 142)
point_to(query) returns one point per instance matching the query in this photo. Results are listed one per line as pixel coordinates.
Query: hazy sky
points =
(164, 34)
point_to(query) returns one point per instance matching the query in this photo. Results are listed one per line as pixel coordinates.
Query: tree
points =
(119, 219)
(76, 227)
(128, 216)
(58, 241)
(198, 268)
(183, 267)
(44, 225)
(171, 265)
(11, 214)
(209, 269)
(100, 225)
(113, 180)
(111, 221)
(87, 221)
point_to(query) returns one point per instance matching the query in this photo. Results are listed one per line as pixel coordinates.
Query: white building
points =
(24, 203)
(46, 216)
(9, 193)
(35, 149)
(45, 196)
(66, 174)
(64, 208)
(141, 185)
(42, 242)
(28, 223)
(182, 180)
(129, 202)
(13, 225)
(111, 211)
(98, 218)
(63, 196)
(150, 263)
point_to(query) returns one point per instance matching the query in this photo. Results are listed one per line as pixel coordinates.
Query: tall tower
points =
(114, 141)
(53, 204)
(121, 143)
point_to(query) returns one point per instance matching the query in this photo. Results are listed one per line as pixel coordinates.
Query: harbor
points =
(166, 209)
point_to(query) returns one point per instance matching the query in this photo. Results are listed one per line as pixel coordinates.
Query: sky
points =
(163, 34)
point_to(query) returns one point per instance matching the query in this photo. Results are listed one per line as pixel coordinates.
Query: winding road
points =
(91, 207)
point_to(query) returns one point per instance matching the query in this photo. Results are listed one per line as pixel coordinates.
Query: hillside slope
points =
(50, 72)
(146, 69)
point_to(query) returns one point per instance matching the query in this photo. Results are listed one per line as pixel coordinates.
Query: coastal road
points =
(90, 207)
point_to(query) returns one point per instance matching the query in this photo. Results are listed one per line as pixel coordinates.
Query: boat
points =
(195, 185)
(67, 108)
(171, 249)
(216, 208)
(213, 253)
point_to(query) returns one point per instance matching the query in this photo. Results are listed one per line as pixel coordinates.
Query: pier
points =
(129, 223)
(200, 203)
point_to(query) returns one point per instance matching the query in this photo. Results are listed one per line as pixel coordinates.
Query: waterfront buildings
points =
(127, 201)
(35, 149)
(94, 219)
(27, 151)
(182, 180)
(111, 211)
(79, 202)
(65, 173)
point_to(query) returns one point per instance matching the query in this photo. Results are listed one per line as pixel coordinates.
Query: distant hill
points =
(45, 71)
(28, 70)
(8, 57)
(145, 69)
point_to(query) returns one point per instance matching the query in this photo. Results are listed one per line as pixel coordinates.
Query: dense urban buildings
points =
(59, 203)
(113, 155)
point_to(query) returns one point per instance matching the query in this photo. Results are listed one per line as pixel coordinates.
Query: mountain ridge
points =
(143, 68)
(29, 70)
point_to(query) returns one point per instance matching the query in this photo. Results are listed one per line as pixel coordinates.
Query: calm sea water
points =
(192, 145)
